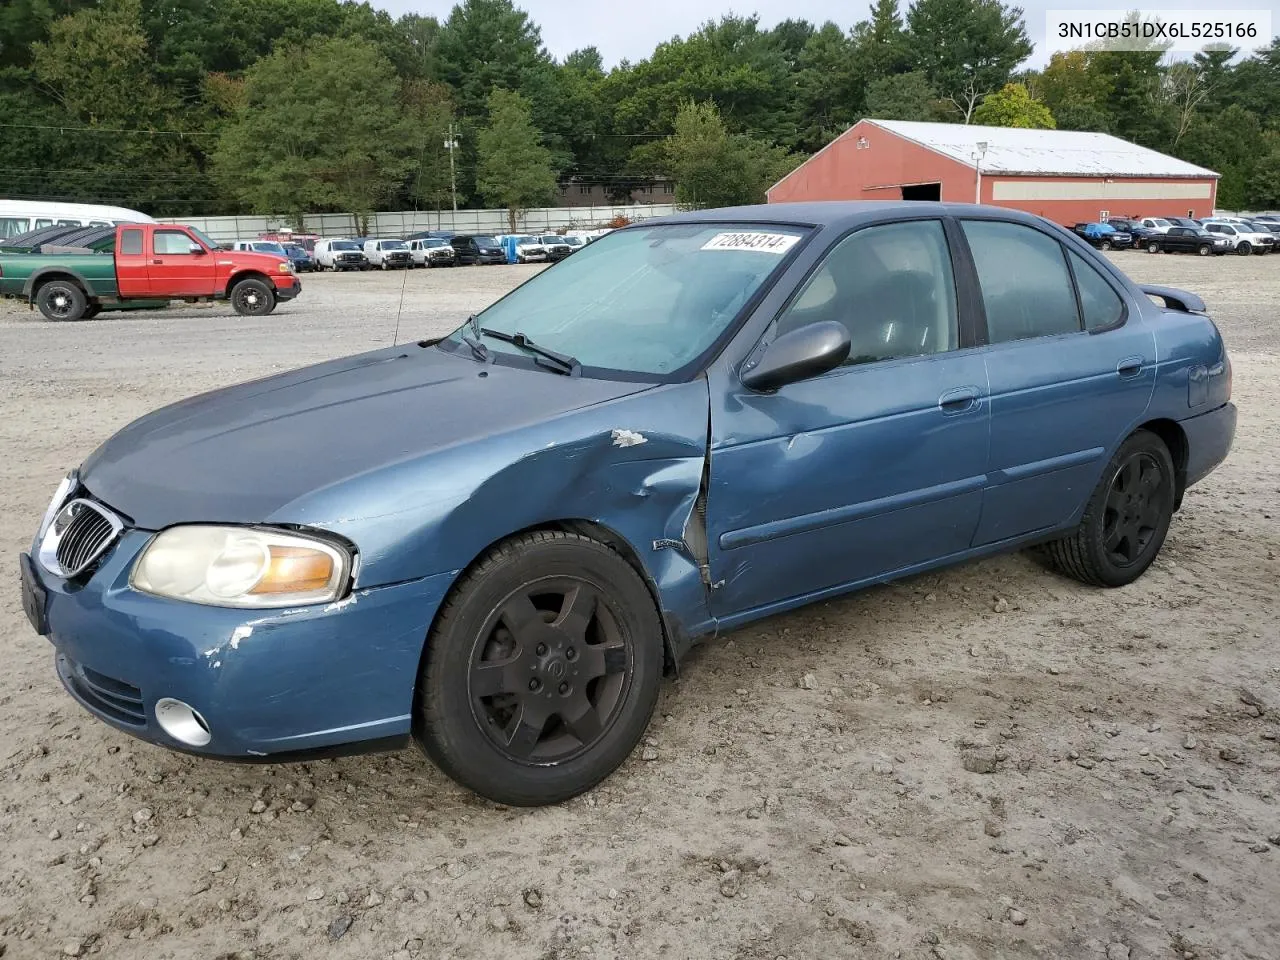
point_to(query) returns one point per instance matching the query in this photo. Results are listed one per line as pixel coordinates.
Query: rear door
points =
(873, 467)
(180, 266)
(1071, 371)
(133, 278)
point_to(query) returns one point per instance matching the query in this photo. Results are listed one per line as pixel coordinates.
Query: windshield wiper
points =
(568, 365)
(478, 349)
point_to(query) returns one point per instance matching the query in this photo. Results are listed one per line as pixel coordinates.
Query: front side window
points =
(1100, 304)
(645, 302)
(1026, 289)
(171, 243)
(12, 226)
(891, 287)
(131, 242)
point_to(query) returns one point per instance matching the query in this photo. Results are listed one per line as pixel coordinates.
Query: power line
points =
(67, 128)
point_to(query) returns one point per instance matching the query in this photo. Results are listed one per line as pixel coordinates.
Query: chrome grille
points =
(80, 533)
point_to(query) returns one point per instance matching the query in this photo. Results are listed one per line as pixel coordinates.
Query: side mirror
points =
(798, 355)
(198, 250)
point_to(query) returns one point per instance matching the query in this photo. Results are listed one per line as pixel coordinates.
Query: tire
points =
(1204, 250)
(1126, 520)
(1153, 246)
(61, 300)
(253, 298)
(1105, 245)
(91, 311)
(1244, 249)
(606, 668)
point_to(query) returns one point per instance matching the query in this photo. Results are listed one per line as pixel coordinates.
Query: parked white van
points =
(19, 216)
(388, 254)
(337, 254)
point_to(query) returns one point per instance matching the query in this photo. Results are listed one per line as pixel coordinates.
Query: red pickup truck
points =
(73, 273)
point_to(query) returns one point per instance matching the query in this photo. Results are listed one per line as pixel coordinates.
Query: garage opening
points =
(922, 191)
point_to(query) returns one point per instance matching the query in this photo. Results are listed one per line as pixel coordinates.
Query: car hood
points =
(240, 454)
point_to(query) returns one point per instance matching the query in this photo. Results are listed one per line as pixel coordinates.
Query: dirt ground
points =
(987, 762)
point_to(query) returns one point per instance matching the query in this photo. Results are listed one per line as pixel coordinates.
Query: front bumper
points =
(1209, 439)
(271, 684)
(287, 287)
(493, 256)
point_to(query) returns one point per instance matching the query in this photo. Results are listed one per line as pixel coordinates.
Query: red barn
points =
(1065, 176)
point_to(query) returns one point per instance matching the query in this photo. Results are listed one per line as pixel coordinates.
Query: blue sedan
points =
(496, 543)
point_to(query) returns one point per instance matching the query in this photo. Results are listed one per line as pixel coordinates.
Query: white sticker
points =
(775, 243)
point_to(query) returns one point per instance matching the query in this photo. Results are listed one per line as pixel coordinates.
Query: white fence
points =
(223, 229)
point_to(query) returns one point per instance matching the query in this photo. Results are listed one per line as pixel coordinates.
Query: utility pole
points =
(451, 145)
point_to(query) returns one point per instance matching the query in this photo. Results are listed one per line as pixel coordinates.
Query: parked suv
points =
(340, 255)
(432, 252)
(1243, 239)
(1133, 228)
(388, 254)
(298, 256)
(1187, 240)
(1157, 224)
(1103, 236)
(477, 249)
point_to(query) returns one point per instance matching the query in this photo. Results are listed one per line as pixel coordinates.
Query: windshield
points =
(526, 242)
(572, 241)
(434, 242)
(486, 241)
(1161, 223)
(646, 301)
(394, 245)
(344, 245)
(266, 246)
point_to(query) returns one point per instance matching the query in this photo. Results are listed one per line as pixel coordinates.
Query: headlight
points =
(284, 267)
(241, 567)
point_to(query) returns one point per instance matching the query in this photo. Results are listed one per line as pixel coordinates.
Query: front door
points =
(872, 468)
(1071, 373)
(175, 270)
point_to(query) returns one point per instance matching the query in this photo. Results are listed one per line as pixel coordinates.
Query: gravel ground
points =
(990, 761)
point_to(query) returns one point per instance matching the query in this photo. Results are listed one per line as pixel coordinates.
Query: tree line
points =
(290, 107)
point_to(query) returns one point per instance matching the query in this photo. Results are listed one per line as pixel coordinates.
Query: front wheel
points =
(1105, 245)
(1244, 249)
(253, 298)
(1126, 519)
(62, 300)
(542, 670)
(1204, 249)
(1153, 247)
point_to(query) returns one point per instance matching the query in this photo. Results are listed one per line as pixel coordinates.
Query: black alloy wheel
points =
(252, 297)
(1126, 519)
(1244, 249)
(61, 300)
(541, 671)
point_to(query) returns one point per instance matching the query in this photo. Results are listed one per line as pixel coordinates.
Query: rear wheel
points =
(61, 300)
(253, 298)
(1244, 249)
(1126, 520)
(542, 670)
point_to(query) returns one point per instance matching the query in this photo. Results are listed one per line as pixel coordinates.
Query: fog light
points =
(182, 722)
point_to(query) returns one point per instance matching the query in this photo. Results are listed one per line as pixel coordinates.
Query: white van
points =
(338, 254)
(388, 254)
(19, 216)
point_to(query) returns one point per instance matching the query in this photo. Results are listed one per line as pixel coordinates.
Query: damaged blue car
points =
(496, 543)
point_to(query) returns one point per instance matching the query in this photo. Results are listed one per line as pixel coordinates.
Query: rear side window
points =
(131, 242)
(1026, 289)
(1100, 304)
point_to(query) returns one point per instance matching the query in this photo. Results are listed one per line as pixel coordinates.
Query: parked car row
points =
(1206, 237)
(427, 249)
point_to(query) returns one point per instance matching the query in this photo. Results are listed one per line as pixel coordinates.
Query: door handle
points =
(959, 400)
(1129, 367)
(158, 261)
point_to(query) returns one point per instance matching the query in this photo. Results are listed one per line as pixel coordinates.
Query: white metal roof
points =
(1042, 152)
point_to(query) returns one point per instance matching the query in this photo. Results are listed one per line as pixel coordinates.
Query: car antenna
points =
(400, 307)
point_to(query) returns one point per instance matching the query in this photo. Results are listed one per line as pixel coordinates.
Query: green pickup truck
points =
(74, 273)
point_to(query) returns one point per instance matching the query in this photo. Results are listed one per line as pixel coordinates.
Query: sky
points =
(625, 30)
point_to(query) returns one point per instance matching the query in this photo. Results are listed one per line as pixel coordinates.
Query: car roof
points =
(838, 214)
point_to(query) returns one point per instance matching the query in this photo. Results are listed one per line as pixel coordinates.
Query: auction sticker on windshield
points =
(776, 243)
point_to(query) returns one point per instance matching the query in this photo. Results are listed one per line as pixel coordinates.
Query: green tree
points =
(429, 112)
(830, 88)
(966, 48)
(714, 168)
(321, 127)
(514, 167)
(903, 96)
(486, 44)
(1076, 91)
(1013, 106)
